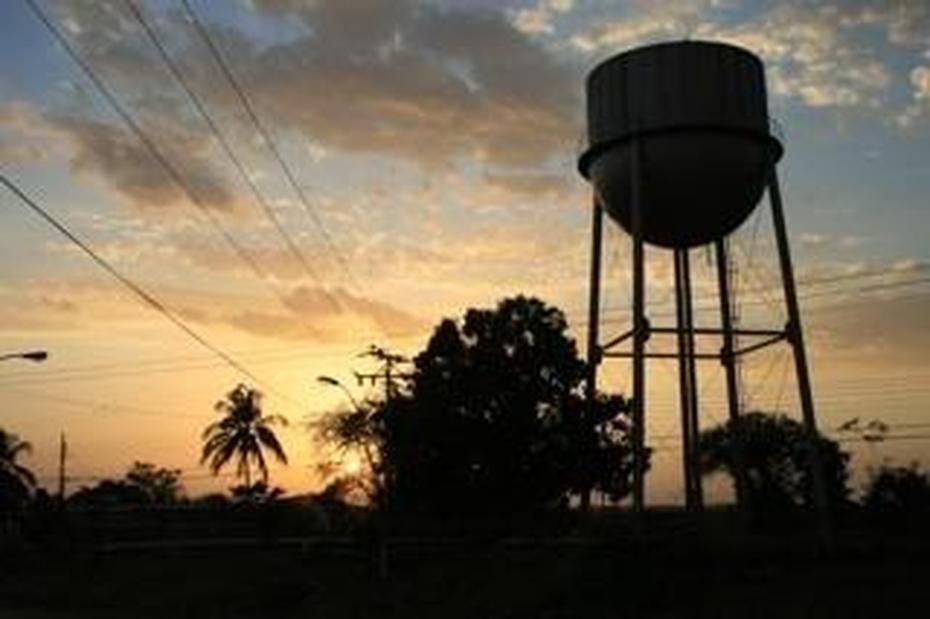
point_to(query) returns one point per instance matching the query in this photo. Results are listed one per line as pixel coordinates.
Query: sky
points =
(429, 152)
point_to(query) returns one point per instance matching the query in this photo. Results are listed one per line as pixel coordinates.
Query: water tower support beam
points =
(693, 426)
(687, 375)
(728, 359)
(795, 337)
(594, 313)
(640, 331)
(684, 380)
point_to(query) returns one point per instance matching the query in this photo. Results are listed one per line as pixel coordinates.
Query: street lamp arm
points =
(33, 355)
(333, 382)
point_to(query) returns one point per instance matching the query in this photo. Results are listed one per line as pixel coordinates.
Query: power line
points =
(816, 294)
(833, 396)
(153, 150)
(675, 438)
(807, 283)
(167, 364)
(267, 138)
(227, 148)
(144, 296)
(95, 406)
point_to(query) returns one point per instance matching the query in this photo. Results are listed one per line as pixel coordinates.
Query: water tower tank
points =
(700, 114)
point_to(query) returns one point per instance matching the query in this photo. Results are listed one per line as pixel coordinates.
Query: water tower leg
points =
(687, 374)
(684, 389)
(640, 333)
(594, 313)
(697, 492)
(728, 359)
(796, 339)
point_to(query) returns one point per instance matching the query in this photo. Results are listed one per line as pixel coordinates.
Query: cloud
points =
(309, 313)
(810, 49)
(906, 22)
(123, 163)
(538, 19)
(909, 265)
(112, 155)
(433, 85)
(531, 187)
(428, 83)
(23, 134)
(813, 238)
(644, 22)
(276, 261)
(862, 329)
(918, 111)
(810, 56)
(333, 305)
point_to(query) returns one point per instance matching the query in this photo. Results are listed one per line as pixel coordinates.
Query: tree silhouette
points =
(775, 454)
(143, 485)
(244, 432)
(162, 486)
(109, 493)
(16, 481)
(255, 494)
(356, 431)
(493, 419)
(898, 491)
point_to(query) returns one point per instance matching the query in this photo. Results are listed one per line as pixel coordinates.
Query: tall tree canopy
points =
(244, 433)
(775, 451)
(492, 419)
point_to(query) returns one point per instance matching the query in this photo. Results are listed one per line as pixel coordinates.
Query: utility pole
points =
(387, 373)
(62, 456)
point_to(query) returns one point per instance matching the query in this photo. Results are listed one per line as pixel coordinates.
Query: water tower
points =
(679, 154)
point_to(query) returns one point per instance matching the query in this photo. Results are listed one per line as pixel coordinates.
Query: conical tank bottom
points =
(696, 185)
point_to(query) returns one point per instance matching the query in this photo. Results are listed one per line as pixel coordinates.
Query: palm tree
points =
(16, 481)
(243, 432)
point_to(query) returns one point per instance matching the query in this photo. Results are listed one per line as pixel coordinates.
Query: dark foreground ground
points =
(711, 574)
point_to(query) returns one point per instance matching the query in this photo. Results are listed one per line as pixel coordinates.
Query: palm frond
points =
(267, 438)
(262, 466)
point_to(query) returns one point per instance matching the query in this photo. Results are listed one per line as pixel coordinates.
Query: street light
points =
(37, 356)
(334, 382)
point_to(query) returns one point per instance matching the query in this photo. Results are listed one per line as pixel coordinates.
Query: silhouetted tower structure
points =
(680, 154)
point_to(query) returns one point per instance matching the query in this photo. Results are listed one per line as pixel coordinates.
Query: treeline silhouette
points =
(485, 429)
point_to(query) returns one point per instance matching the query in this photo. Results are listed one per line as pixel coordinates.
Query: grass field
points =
(686, 578)
(707, 575)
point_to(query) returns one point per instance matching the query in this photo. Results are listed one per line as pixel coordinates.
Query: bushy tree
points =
(492, 419)
(353, 433)
(259, 493)
(162, 486)
(898, 491)
(109, 493)
(144, 484)
(775, 452)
